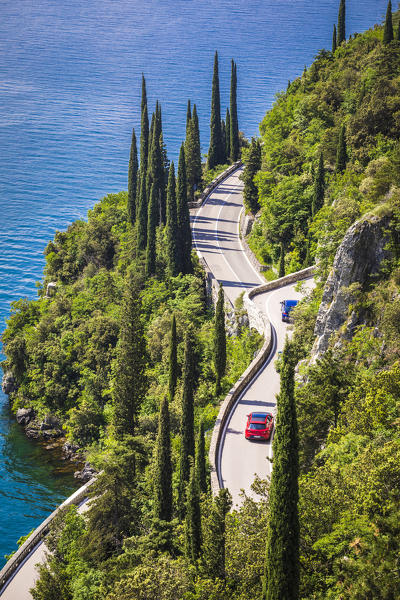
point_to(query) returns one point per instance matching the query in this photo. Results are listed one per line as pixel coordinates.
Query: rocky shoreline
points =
(48, 431)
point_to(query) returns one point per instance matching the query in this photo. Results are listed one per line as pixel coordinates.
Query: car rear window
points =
(257, 426)
(260, 416)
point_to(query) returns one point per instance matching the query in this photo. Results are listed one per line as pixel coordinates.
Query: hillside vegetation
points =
(330, 157)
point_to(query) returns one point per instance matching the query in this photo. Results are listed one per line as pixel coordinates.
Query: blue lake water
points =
(70, 79)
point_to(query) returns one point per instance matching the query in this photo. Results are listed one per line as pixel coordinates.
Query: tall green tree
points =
(173, 255)
(193, 520)
(142, 213)
(252, 166)
(192, 155)
(398, 33)
(144, 128)
(152, 219)
(341, 30)
(173, 361)
(228, 133)
(281, 271)
(219, 341)
(388, 30)
(282, 556)
(188, 116)
(115, 509)
(187, 420)
(184, 231)
(234, 124)
(196, 159)
(334, 40)
(163, 467)
(319, 186)
(213, 554)
(200, 462)
(151, 135)
(341, 153)
(215, 151)
(132, 179)
(156, 172)
(223, 134)
(129, 368)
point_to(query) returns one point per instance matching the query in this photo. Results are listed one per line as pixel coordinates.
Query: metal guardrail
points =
(37, 536)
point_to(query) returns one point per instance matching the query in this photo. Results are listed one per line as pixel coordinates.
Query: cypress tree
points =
(341, 154)
(151, 133)
(173, 362)
(215, 152)
(129, 368)
(334, 40)
(228, 133)
(156, 172)
(223, 134)
(213, 554)
(219, 341)
(252, 166)
(188, 116)
(151, 233)
(200, 463)
(193, 520)
(319, 186)
(115, 509)
(388, 31)
(142, 214)
(132, 179)
(196, 159)
(234, 125)
(184, 231)
(341, 30)
(398, 33)
(144, 128)
(187, 421)
(282, 556)
(281, 272)
(173, 257)
(191, 150)
(163, 467)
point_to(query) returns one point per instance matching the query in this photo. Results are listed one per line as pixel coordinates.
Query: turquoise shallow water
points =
(69, 95)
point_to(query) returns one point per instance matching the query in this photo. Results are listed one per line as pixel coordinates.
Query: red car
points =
(259, 426)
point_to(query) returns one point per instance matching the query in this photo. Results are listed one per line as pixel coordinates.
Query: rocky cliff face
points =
(358, 259)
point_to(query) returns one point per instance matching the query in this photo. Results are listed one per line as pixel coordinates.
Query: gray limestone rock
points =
(358, 259)
(86, 474)
(70, 451)
(8, 383)
(25, 415)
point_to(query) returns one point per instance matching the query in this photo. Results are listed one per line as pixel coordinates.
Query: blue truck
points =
(286, 307)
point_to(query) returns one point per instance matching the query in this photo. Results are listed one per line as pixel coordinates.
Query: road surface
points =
(216, 238)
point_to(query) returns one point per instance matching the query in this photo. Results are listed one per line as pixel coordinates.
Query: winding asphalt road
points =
(216, 238)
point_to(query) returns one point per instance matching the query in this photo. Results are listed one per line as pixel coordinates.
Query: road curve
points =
(216, 238)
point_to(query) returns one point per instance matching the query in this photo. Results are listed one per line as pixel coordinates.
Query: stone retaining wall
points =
(281, 282)
(40, 532)
(245, 226)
